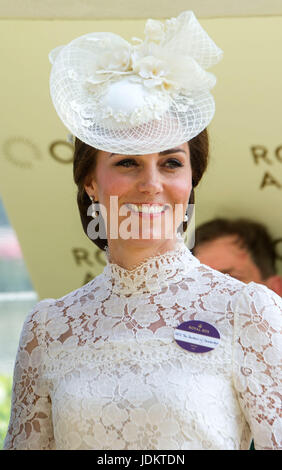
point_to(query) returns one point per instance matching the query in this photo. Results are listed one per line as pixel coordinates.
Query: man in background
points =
(241, 248)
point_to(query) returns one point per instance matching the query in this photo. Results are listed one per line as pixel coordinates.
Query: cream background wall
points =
(35, 159)
(133, 9)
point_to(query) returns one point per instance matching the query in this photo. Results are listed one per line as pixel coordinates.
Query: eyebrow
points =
(164, 152)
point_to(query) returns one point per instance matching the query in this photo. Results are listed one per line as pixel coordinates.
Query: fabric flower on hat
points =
(116, 56)
(166, 58)
(111, 57)
(154, 31)
(172, 73)
(152, 70)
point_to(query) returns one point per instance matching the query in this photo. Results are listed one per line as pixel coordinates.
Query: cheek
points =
(182, 189)
(110, 184)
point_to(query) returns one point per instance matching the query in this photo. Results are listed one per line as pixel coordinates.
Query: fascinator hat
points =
(137, 98)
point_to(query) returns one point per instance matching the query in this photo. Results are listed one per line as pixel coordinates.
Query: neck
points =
(130, 255)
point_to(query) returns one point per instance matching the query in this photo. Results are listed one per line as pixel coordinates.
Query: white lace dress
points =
(100, 369)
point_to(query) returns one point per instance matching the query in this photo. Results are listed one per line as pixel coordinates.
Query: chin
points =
(148, 242)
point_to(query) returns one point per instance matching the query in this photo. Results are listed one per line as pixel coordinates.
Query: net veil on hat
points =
(136, 98)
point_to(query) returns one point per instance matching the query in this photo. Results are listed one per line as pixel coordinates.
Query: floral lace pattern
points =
(100, 369)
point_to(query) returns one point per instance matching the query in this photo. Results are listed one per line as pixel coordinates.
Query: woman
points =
(159, 351)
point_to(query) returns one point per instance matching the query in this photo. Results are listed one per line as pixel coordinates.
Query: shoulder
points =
(246, 300)
(218, 278)
(260, 293)
(38, 313)
(244, 294)
(216, 288)
(259, 305)
(258, 321)
(54, 308)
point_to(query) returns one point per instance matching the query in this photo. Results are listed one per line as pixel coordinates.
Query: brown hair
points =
(85, 160)
(252, 236)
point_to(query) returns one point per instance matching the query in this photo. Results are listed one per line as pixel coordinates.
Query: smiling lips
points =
(150, 209)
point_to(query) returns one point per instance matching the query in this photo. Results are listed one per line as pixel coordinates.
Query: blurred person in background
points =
(242, 248)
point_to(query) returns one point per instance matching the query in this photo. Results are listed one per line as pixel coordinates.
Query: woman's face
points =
(144, 197)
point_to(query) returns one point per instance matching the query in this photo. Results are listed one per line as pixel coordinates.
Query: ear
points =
(91, 188)
(275, 283)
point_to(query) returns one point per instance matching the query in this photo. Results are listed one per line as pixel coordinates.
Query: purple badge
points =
(196, 336)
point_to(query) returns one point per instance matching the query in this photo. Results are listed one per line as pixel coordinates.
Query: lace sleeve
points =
(30, 424)
(257, 363)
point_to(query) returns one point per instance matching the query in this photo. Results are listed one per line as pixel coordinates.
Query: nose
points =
(150, 181)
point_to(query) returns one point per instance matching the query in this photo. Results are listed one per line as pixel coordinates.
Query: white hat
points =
(141, 98)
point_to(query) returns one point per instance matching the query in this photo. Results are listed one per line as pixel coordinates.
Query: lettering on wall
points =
(268, 162)
(21, 152)
(87, 259)
(61, 151)
(24, 153)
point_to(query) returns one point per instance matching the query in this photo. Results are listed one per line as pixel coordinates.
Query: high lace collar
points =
(154, 274)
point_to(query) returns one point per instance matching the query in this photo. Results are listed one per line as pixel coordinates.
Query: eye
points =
(126, 162)
(173, 163)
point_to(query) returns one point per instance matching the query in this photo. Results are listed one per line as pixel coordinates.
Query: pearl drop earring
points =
(94, 213)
